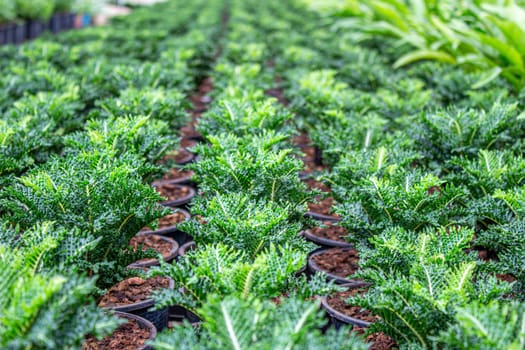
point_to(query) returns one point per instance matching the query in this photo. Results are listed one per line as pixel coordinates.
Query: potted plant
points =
(251, 164)
(98, 198)
(37, 13)
(62, 18)
(221, 270)
(136, 333)
(7, 16)
(418, 280)
(246, 224)
(39, 306)
(254, 323)
(134, 295)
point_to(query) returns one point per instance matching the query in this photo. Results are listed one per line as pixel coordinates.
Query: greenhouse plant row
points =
(243, 174)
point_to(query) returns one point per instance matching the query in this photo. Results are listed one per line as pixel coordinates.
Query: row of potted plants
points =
(82, 190)
(422, 166)
(243, 282)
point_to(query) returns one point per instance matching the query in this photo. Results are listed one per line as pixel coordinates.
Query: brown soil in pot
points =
(175, 174)
(323, 206)
(186, 143)
(173, 192)
(183, 155)
(506, 277)
(339, 302)
(128, 336)
(331, 231)
(380, 340)
(487, 255)
(169, 220)
(302, 140)
(132, 290)
(177, 156)
(341, 262)
(189, 131)
(309, 153)
(157, 243)
(278, 94)
(172, 219)
(317, 185)
(205, 86)
(311, 166)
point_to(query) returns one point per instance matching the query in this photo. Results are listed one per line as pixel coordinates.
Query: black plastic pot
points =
(321, 217)
(186, 247)
(19, 33)
(197, 138)
(143, 323)
(35, 28)
(55, 23)
(173, 232)
(12, 33)
(179, 202)
(67, 21)
(180, 314)
(155, 262)
(182, 181)
(324, 242)
(338, 319)
(159, 318)
(188, 159)
(6, 33)
(313, 268)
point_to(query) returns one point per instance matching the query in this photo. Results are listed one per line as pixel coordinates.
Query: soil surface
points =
(311, 166)
(128, 336)
(172, 219)
(339, 302)
(505, 277)
(183, 156)
(323, 206)
(154, 242)
(309, 153)
(199, 101)
(175, 174)
(302, 140)
(380, 341)
(173, 192)
(338, 261)
(132, 290)
(187, 143)
(317, 185)
(169, 221)
(277, 91)
(331, 231)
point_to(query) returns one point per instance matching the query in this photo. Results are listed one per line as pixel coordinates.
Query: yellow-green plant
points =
(478, 34)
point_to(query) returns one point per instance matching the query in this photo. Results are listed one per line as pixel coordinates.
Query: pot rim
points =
(324, 242)
(180, 201)
(154, 261)
(144, 322)
(185, 247)
(181, 180)
(169, 229)
(341, 317)
(144, 304)
(313, 267)
(322, 217)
